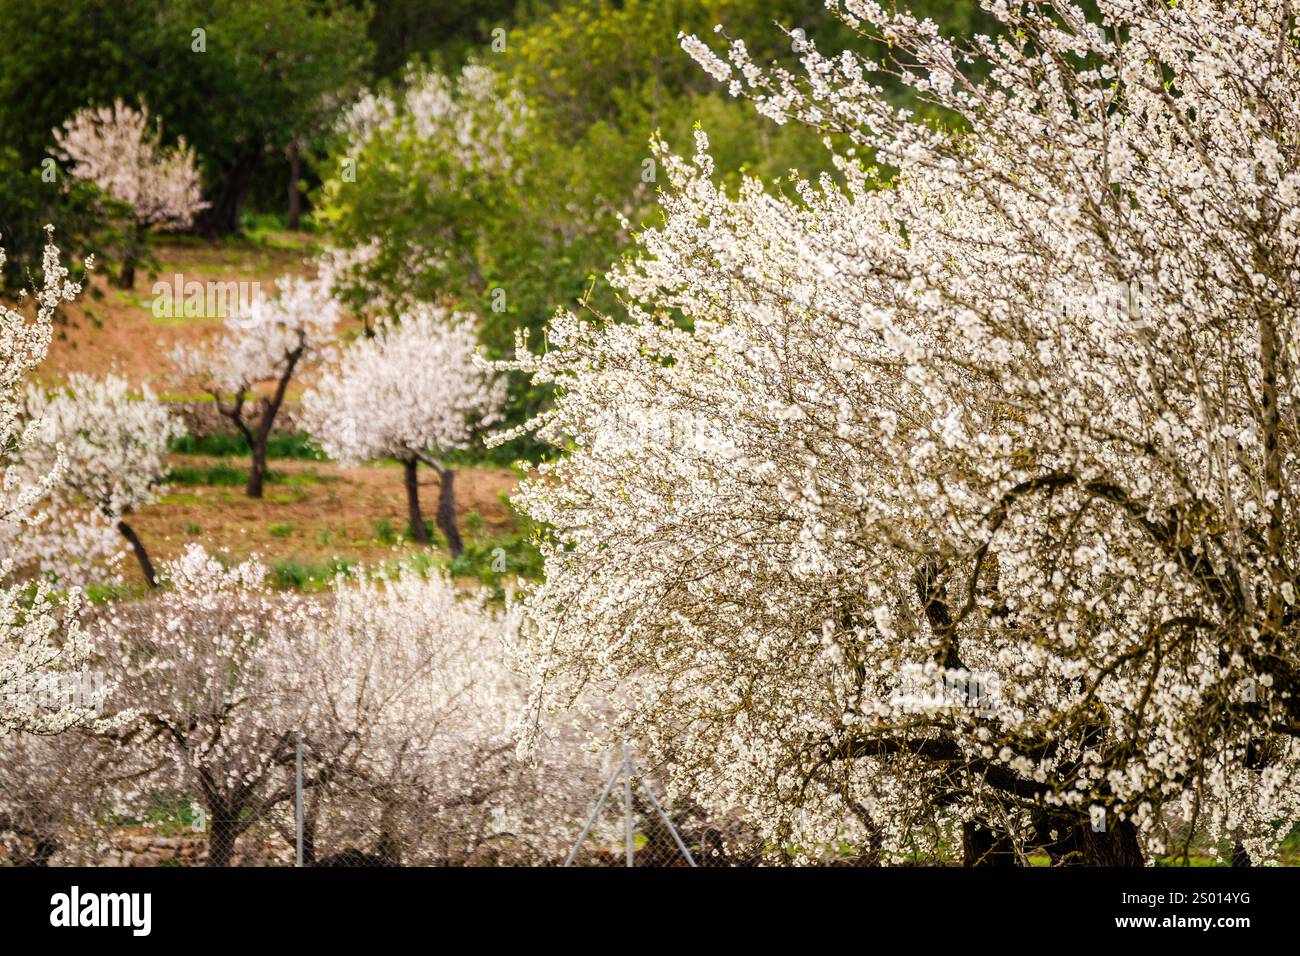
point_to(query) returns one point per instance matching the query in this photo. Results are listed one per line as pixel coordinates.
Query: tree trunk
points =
(1080, 845)
(295, 197)
(983, 847)
(222, 834)
(257, 471)
(141, 554)
(130, 256)
(42, 852)
(222, 218)
(447, 512)
(1117, 846)
(270, 407)
(1239, 855)
(418, 531)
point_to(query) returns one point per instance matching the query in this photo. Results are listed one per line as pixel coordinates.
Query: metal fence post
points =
(297, 794)
(629, 771)
(627, 800)
(573, 854)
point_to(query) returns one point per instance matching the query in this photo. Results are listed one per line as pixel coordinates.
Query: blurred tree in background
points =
(244, 82)
(259, 89)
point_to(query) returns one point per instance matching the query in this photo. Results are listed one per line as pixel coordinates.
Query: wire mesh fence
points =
(322, 805)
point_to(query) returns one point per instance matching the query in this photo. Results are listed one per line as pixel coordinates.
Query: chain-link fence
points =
(333, 804)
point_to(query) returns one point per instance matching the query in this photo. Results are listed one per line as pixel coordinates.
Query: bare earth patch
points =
(110, 329)
(316, 512)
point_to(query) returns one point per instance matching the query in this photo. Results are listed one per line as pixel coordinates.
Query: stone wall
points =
(137, 848)
(192, 850)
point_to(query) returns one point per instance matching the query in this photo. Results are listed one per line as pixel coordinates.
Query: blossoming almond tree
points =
(412, 392)
(53, 788)
(121, 152)
(263, 347)
(114, 444)
(200, 668)
(968, 501)
(41, 639)
(62, 541)
(398, 687)
(408, 732)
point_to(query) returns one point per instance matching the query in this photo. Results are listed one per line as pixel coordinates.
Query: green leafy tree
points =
(243, 82)
(85, 220)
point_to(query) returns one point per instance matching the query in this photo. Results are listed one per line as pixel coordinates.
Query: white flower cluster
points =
(267, 337)
(412, 388)
(114, 441)
(40, 634)
(120, 151)
(397, 687)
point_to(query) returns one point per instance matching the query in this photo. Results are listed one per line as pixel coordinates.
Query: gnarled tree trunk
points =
(416, 519)
(1080, 845)
(983, 847)
(222, 218)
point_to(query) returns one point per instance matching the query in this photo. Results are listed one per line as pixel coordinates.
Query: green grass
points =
(184, 501)
(165, 813)
(225, 475)
(491, 560)
(111, 592)
(308, 476)
(231, 476)
(298, 446)
(281, 530)
(309, 575)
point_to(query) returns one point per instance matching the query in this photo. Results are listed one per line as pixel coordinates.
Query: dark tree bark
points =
(446, 513)
(446, 516)
(270, 407)
(984, 847)
(43, 849)
(222, 218)
(1080, 845)
(126, 275)
(43, 852)
(141, 554)
(257, 470)
(416, 519)
(295, 197)
(223, 811)
(223, 832)
(1239, 855)
(259, 435)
